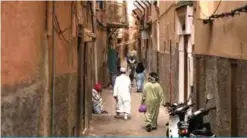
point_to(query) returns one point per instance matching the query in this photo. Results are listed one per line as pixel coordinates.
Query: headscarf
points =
(98, 87)
(153, 77)
(123, 69)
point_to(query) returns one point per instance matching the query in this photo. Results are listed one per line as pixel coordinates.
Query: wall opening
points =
(234, 115)
(198, 72)
(185, 67)
(80, 78)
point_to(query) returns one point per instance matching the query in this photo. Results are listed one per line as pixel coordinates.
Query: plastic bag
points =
(143, 108)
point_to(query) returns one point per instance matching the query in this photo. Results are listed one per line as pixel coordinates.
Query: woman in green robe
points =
(152, 97)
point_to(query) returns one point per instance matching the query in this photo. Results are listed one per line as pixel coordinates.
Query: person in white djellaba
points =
(122, 94)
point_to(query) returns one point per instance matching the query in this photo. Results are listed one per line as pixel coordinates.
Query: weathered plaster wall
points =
(241, 109)
(164, 61)
(23, 25)
(24, 81)
(226, 37)
(66, 53)
(213, 75)
(101, 43)
(65, 95)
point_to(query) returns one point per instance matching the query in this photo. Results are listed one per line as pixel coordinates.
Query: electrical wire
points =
(58, 30)
(216, 8)
(226, 14)
(212, 13)
(92, 13)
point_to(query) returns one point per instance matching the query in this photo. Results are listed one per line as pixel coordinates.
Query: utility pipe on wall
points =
(158, 28)
(190, 29)
(45, 126)
(95, 45)
(53, 69)
(158, 35)
(181, 69)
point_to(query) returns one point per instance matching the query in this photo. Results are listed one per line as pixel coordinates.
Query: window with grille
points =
(100, 4)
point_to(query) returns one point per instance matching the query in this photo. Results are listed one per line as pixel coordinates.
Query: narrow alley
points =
(63, 63)
(119, 127)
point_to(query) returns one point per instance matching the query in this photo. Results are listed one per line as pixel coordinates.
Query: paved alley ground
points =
(107, 125)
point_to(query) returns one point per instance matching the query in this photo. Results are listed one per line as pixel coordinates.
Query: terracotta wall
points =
(23, 28)
(26, 77)
(218, 47)
(23, 25)
(164, 61)
(101, 43)
(218, 76)
(226, 37)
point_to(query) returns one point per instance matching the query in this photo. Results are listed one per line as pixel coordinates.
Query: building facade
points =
(200, 48)
(52, 54)
(220, 63)
(158, 42)
(40, 76)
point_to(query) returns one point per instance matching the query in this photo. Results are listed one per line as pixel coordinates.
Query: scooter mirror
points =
(190, 96)
(209, 96)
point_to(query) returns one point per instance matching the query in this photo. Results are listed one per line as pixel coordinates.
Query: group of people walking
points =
(152, 94)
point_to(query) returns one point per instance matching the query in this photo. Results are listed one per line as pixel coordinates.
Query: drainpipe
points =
(95, 45)
(190, 27)
(158, 28)
(181, 69)
(46, 104)
(158, 35)
(53, 69)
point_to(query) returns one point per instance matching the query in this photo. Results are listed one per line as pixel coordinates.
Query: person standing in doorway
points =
(152, 97)
(140, 76)
(112, 64)
(121, 93)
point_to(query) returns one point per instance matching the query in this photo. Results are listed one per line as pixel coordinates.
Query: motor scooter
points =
(195, 126)
(177, 113)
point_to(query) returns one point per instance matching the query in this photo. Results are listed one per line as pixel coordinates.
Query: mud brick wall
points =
(214, 75)
(168, 74)
(22, 37)
(20, 110)
(65, 105)
(25, 65)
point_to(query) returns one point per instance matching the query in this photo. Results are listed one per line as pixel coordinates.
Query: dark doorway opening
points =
(234, 115)
(185, 68)
(81, 79)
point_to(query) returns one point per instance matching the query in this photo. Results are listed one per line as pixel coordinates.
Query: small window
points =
(155, 3)
(100, 4)
(119, 40)
(164, 49)
(183, 27)
(170, 46)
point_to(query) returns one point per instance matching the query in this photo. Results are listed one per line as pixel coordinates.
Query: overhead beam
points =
(116, 25)
(149, 3)
(126, 43)
(140, 5)
(144, 3)
(137, 7)
(112, 32)
(138, 18)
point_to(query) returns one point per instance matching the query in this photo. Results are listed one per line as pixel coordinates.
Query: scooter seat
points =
(202, 131)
